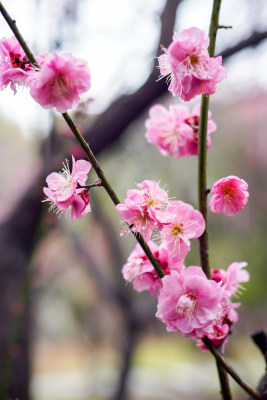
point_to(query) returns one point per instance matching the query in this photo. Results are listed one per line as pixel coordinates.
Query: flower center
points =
(186, 305)
(150, 202)
(17, 62)
(61, 86)
(193, 59)
(227, 190)
(177, 230)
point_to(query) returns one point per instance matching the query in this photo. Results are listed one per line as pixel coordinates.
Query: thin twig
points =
(224, 382)
(231, 370)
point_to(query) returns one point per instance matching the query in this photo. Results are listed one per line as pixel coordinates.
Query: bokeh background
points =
(70, 327)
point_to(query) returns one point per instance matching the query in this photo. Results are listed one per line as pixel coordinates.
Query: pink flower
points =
(168, 129)
(14, 65)
(190, 69)
(175, 132)
(189, 302)
(230, 195)
(221, 326)
(60, 81)
(139, 270)
(185, 223)
(232, 277)
(63, 191)
(144, 208)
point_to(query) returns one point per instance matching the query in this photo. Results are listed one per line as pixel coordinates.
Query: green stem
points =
(202, 146)
(98, 183)
(202, 182)
(85, 146)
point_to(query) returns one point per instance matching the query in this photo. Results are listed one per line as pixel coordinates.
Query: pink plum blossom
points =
(187, 63)
(14, 65)
(64, 191)
(230, 195)
(220, 328)
(229, 280)
(168, 130)
(232, 277)
(175, 131)
(143, 209)
(189, 302)
(60, 81)
(185, 223)
(140, 271)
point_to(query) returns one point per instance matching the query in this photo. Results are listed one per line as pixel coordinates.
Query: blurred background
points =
(70, 327)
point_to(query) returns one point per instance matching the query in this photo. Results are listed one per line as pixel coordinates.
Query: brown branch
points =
(112, 123)
(253, 40)
(228, 368)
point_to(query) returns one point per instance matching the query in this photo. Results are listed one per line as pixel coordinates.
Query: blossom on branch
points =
(184, 223)
(175, 131)
(143, 209)
(64, 191)
(229, 280)
(232, 277)
(60, 81)
(15, 68)
(230, 195)
(140, 271)
(189, 302)
(188, 66)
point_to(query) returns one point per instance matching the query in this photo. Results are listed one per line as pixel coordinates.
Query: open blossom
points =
(232, 277)
(229, 280)
(189, 302)
(218, 330)
(230, 195)
(190, 69)
(168, 130)
(185, 223)
(60, 81)
(175, 131)
(140, 271)
(144, 208)
(63, 189)
(14, 65)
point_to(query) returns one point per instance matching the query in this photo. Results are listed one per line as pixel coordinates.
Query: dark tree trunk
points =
(17, 237)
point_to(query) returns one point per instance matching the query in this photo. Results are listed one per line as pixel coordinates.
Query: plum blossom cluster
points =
(59, 81)
(175, 131)
(196, 306)
(148, 208)
(64, 191)
(188, 302)
(188, 66)
(142, 274)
